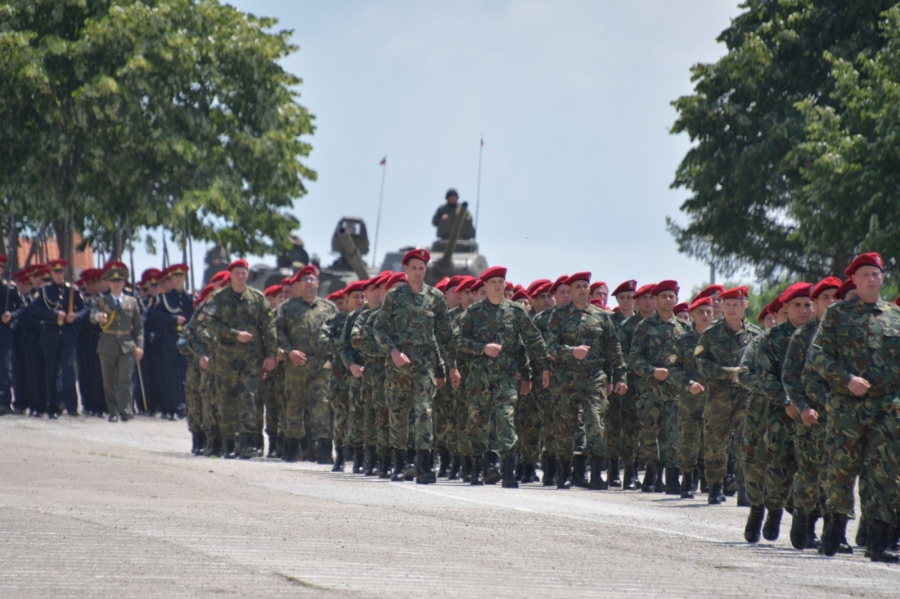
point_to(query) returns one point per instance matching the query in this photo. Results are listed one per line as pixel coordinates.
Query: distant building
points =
(83, 260)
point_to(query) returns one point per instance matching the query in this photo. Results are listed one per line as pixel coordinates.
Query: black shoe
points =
(528, 474)
(660, 485)
(548, 466)
(628, 483)
(579, 471)
(423, 467)
(291, 450)
(597, 483)
(880, 536)
(612, 472)
(476, 476)
(687, 485)
(399, 465)
(673, 487)
(467, 466)
(113, 418)
(453, 471)
(182, 411)
(532, 468)
(171, 417)
(385, 472)
(508, 469)
(812, 540)
(359, 459)
(213, 447)
(125, 416)
(371, 461)
(649, 480)
(338, 465)
(704, 484)
(52, 415)
(564, 474)
(715, 496)
(773, 524)
(754, 523)
(491, 468)
(443, 471)
(799, 530)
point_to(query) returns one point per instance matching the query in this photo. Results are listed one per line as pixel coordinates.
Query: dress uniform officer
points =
(9, 302)
(173, 309)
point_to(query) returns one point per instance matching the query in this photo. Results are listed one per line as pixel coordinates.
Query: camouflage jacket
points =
(859, 339)
(194, 338)
(719, 352)
(625, 332)
(411, 320)
(345, 350)
(330, 341)
(792, 370)
(227, 313)
(299, 325)
(769, 360)
(507, 324)
(570, 327)
(362, 338)
(654, 345)
(684, 371)
(747, 370)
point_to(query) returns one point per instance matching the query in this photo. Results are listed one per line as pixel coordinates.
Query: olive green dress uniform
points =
(121, 335)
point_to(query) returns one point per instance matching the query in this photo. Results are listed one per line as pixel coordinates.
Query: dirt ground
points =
(93, 509)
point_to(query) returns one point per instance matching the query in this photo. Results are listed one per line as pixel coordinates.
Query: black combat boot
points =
(214, 447)
(477, 475)
(371, 461)
(338, 459)
(409, 470)
(715, 496)
(687, 485)
(305, 453)
(597, 483)
(273, 446)
(799, 529)
(773, 524)
(704, 484)
(860, 532)
(323, 451)
(508, 470)
(520, 471)
(564, 474)
(548, 466)
(528, 474)
(660, 485)
(247, 447)
(399, 465)
(453, 471)
(579, 471)
(649, 479)
(754, 523)
(491, 468)
(229, 450)
(423, 467)
(279, 446)
(812, 540)
(195, 443)
(672, 485)
(359, 459)
(880, 537)
(612, 474)
(628, 483)
(730, 484)
(467, 465)
(444, 470)
(291, 450)
(385, 472)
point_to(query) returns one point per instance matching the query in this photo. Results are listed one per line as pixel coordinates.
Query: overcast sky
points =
(572, 99)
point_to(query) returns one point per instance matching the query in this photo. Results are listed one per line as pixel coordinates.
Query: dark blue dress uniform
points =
(32, 328)
(20, 382)
(90, 377)
(9, 302)
(164, 321)
(58, 342)
(146, 398)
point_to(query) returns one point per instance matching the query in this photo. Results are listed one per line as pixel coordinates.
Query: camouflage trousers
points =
(781, 463)
(865, 441)
(339, 393)
(411, 388)
(193, 397)
(809, 449)
(690, 429)
(444, 429)
(623, 426)
(307, 409)
(377, 431)
(209, 413)
(236, 377)
(460, 413)
(576, 389)
(356, 425)
(658, 437)
(492, 405)
(723, 421)
(268, 398)
(755, 456)
(528, 424)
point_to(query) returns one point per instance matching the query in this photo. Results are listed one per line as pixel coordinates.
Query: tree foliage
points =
(757, 173)
(130, 114)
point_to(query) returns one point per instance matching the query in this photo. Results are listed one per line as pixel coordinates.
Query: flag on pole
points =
(482, 142)
(384, 160)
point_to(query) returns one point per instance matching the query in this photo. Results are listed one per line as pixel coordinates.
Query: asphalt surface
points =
(93, 509)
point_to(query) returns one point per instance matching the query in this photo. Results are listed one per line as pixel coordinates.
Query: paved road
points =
(89, 508)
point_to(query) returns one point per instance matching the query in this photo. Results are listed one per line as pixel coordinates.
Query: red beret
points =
(579, 276)
(824, 284)
(378, 280)
(520, 295)
(466, 284)
(151, 275)
(869, 259)
(396, 279)
(775, 305)
(286, 280)
(682, 307)
(222, 274)
(794, 291)
(535, 284)
(563, 280)
(239, 263)
(703, 301)
(336, 295)
(665, 286)
(846, 286)
(454, 281)
(477, 284)
(91, 274)
(306, 270)
(20, 275)
(710, 291)
(541, 288)
(742, 292)
(177, 269)
(115, 264)
(417, 254)
(597, 284)
(4, 259)
(897, 302)
(32, 271)
(507, 286)
(625, 287)
(765, 311)
(442, 284)
(494, 271)
(273, 290)
(355, 286)
(645, 290)
(58, 264)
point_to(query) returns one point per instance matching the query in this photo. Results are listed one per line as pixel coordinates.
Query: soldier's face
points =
(562, 295)
(466, 298)
(542, 301)
(355, 301)
(717, 306)
(496, 289)
(825, 299)
(59, 276)
(703, 316)
(666, 301)
(415, 271)
(93, 287)
(646, 303)
(178, 280)
(452, 297)
(480, 293)
(769, 321)
(782, 315)
(601, 293)
(273, 301)
(580, 291)
(525, 303)
(626, 301)
(306, 286)
(341, 304)
(116, 287)
(799, 311)
(868, 280)
(238, 278)
(733, 309)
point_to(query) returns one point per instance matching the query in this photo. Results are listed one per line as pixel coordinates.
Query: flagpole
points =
(383, 164)
(478, 188)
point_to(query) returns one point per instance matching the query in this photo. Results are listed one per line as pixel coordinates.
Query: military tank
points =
(454, 252)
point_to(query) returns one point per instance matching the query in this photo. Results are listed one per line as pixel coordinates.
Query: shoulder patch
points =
(673, 358)
(699, 350)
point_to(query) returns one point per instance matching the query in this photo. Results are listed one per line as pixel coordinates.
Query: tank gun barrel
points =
(351, 253)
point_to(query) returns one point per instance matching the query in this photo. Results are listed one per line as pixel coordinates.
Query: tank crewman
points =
(57, 305)
(9, 303)
(448, 210)
(857, 350)
(692, 399)
(491, 332)
(121, 341)
(90, 374)
(411, 325)
(718, 354)
(174, 308)
(20, 347)
(807, 396)
(238, 317)
(307, 369)
(653, 350)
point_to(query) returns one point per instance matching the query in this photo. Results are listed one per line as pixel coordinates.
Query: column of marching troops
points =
(490, 382)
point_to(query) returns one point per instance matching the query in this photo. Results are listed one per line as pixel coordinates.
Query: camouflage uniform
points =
(459, 396)
(860, 339)
(779, 426)
(624, 426)
(339, 384)
(306, 387)
(655, 346)
(362, 339)
(237, 366)
(684, 373)
(754, 458)
(356, 430)
(413, 323)
(541, 399)
(491, 386)
(718, 356)
(528, 416)
(188, 346)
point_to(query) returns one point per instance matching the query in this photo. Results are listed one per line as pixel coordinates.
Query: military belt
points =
(117, 333)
